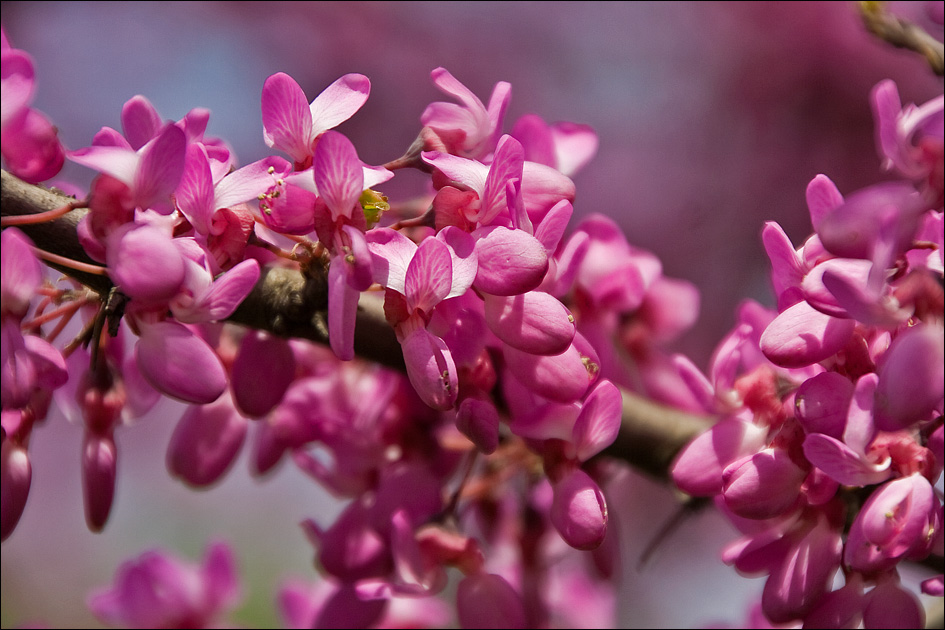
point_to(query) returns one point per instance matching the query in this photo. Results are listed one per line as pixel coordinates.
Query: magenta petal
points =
(579, 511)
(911, 378)
(16, 474)
(119, 162)
(462, 170)
(179, 363)
(597, 426)
(221, 577)
(140, 121)
(292, 212)
(21, 272)
(262, 371)
(535, 135)
(543, 187)
(697, 469)
(429, 275)
(99, 469)
(339, 102)
(479, 421)
(206, 442)
(822, 198)
(554, 225)
(465, 260)
(249, 182)
(534, 322)
(507, 165)
(357, 259)
(195, 192)
(891, 606)
(338, 174)
(510, 261)
(345, 609)
(821, 403)
(160, 169)
(800, 580)
(342, 310)
(486, 600)
(762, 486)
(562, 378)
(430, 369)
(787, 269)
(863, 303)
(145, 264)
(287, 119)
(842, 463)
(801, 336)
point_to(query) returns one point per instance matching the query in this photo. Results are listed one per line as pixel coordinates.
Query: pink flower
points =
(31, 147)
(564, 146)
(467, 129)
(294, 126)
(157, 590)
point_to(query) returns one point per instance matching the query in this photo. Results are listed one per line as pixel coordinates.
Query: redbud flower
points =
(158, 590)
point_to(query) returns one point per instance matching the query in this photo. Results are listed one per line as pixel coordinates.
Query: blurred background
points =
(712, 118)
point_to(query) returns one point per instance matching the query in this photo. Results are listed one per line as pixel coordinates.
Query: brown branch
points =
(289, 304)
(903, 34)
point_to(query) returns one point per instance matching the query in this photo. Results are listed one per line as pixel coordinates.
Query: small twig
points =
(903, 34)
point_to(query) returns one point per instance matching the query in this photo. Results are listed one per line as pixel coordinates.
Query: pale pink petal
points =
(542, 188)
(863, 303)
(119, 162)
(575, 145)
(391, 253)
(17, 77)
(339, 102)
(205, 442)
(470, 173)
(287, 119)
(787, 268)
(179, 363)
(338, 173)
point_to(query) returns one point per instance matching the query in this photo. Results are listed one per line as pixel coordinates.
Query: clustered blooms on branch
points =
(831, 437)
(517, 338)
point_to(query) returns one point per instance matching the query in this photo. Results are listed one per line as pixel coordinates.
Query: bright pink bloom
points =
(467, 129)
(293, 125)
(564, 146)
(487, 600)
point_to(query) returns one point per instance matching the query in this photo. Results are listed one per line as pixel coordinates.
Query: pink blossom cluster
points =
(830, 441)
(475, 467)
(503, 402)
